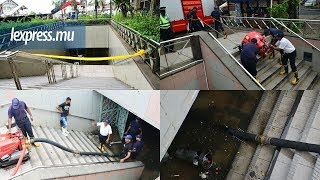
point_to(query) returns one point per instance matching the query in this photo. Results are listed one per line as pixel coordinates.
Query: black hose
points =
(43, 140)
(281, 143)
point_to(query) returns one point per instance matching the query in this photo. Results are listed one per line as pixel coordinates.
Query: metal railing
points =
(24, 70)
(138, 41)
(174, 52)
(237, 62)
(306, 28)
(7, 44)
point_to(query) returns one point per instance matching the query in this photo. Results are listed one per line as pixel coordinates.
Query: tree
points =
(124, 6)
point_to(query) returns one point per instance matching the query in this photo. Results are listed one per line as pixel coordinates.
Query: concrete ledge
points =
(117, 171)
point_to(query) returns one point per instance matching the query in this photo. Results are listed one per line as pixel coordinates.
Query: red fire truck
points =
(177, 11)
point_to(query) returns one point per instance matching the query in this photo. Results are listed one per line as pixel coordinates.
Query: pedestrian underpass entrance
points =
(115, 113)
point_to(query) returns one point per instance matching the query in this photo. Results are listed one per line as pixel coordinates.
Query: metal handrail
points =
(138, 41)
(252, 78)
(297, 34)
(271, 18)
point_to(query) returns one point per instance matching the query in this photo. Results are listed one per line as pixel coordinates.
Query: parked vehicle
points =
(310, 3)
(177, 11)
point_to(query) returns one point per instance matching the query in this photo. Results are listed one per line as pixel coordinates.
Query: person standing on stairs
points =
(166, 32)
(137, 146)
(273, 32)
(105, 133)
(134, 128)
(249, 57)
(216, 15)
(127, 149)
(290, 54)
(64, 110)
(19, 111)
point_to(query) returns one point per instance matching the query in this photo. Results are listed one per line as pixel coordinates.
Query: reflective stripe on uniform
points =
(164, 22)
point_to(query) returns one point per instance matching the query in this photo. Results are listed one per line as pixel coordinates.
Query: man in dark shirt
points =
(195, 24)
(127, 149)
(248, 57)
(273, 32)
(216, 15)
(64, 110)
(137, 146)
(19, 110)
(134, 128)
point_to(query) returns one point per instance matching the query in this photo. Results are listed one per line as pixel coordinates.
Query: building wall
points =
(84, 107)
(191, 78)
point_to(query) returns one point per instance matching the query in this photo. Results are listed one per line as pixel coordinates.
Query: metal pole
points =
(14, 74)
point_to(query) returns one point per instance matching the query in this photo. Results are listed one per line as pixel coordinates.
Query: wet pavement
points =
(203, 129)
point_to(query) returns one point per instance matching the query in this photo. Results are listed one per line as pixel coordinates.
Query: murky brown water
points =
(202, 130)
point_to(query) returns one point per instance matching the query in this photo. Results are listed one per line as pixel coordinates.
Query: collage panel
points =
(79, 44)
(239, 45)
(79, 134)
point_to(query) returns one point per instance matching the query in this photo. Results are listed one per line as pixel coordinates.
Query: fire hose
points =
(43, 140)
(279, 143)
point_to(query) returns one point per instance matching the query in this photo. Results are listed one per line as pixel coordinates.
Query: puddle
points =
(203, 130)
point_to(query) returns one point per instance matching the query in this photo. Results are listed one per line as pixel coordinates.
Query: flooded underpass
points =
(203, 131)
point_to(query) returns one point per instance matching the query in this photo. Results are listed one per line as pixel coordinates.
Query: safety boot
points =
(271, 55)
(225, 35)
(101, 147)
(35, 143)
(284, 70)
(295, 79)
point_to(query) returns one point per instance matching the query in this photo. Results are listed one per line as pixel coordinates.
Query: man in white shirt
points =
(105, 133)
(285, 46)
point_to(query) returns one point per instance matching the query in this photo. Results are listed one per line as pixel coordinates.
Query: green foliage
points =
(88, 17)
(279, 10)
(144, 24)
(21, 24)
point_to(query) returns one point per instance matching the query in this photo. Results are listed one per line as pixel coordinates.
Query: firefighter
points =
(195, 23)
(19, 110)
(166, 32)
(273, 32)
(290, 53)
(216, 15)
(134, 128)
(127, 149)
(248, 57)
(137, 146)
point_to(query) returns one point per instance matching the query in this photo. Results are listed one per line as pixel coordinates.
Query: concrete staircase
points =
(268, 74)
(60, 163)
(295, 116)
(268, 69)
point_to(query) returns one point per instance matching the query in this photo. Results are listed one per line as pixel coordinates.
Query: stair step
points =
(296, 126)
(73, 135)
(93, 148)
(96, 143)
(263, 155)
(287, 85)
(88, 146)
(276, 79)
(68, 144)
(307, 82)
(304, 162)
(43, 156)
(61, 154)
(71, 158)
(265, 64)
(78, 147)
(48, 148)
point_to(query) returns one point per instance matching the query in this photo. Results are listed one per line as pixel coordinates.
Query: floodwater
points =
(203, 130)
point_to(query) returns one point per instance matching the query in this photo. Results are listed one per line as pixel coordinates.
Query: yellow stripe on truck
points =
(111, 58)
